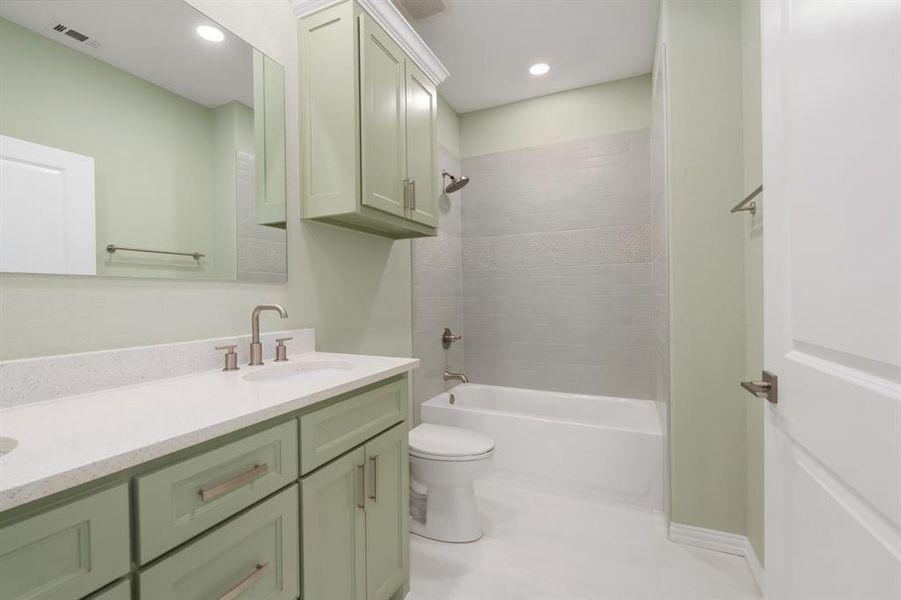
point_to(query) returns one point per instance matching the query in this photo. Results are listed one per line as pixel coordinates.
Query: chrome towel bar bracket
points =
(748, 204)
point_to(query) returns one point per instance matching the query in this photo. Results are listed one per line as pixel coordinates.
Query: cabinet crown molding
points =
(393, 22)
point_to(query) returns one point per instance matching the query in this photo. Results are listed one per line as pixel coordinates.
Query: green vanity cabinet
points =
(181, 500)
(387, 506)
(319, 492)
(334, 529)
(67, 552)
(369, 127)
(355, 522)
(255, 555)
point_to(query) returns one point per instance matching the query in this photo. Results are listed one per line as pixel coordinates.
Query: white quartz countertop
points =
(69, 441)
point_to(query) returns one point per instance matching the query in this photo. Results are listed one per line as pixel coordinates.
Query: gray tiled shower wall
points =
(555, 287)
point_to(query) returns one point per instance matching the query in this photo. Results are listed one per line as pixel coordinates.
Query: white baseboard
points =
(720, 541)
(757, 571)
(709, 539)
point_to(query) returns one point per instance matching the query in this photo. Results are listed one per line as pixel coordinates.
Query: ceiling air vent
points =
(77, 36)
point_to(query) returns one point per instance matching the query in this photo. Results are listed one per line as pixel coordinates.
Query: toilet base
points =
(451, 515)
(418, 529)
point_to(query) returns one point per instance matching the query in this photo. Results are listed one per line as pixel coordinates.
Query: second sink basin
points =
(7, 445)
(303, 369)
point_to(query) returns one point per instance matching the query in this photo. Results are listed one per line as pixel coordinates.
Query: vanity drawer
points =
(66, 552)
(182, 500)
(253, 556)
(331, 431)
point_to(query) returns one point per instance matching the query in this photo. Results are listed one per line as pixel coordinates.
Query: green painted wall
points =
(136, 132)
(353, 288)
(448, 127)
(707, 408)
(753, 176)
(601, 109)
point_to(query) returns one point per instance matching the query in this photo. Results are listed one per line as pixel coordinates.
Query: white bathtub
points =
(609, 446)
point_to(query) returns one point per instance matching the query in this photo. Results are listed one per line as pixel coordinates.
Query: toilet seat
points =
(439, 442)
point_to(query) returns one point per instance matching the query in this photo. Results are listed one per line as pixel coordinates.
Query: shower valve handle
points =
(448, 337)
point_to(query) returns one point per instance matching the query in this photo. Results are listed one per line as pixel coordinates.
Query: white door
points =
(46, 209)
(832, 274)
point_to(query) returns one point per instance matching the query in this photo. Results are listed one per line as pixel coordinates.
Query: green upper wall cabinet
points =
(369, 128)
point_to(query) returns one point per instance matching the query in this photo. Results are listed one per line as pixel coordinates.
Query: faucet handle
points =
(281, 351)
(231, 357)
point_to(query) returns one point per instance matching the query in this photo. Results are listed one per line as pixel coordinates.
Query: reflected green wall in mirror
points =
(170, 173)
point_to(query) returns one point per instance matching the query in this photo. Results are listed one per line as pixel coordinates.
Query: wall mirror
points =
(139, 139)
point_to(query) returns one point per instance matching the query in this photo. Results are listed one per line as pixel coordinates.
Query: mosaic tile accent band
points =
(619, 244)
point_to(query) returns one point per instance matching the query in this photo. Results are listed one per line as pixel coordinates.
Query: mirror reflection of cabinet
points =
(185, 134)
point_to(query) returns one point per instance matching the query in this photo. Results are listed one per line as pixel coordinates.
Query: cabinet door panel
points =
(334, 530)
(382, 119)
(328, 90)
(387, 505)
(422, 162)
(68, 551)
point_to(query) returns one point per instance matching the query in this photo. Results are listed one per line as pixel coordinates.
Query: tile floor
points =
(542, 544)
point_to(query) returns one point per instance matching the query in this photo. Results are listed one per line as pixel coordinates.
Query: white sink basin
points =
(7, 445)
(304, 369)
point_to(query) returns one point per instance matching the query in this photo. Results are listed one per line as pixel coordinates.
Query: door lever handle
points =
(767, 388)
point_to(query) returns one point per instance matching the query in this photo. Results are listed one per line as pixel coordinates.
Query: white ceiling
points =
(488, 46)
(153, 39)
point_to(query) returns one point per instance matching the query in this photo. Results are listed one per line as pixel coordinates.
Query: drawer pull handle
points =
(246, 583)
(213, 492)
(361, 485)
(375, 476)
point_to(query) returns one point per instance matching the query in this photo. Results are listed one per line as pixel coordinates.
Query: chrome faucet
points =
(256, 348)
(448, 376)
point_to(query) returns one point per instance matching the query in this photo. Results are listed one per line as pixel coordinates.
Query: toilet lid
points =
(439, 440)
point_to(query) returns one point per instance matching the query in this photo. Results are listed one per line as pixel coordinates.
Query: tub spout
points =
(448, 376)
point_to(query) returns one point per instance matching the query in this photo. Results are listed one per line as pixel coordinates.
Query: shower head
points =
(456, 183)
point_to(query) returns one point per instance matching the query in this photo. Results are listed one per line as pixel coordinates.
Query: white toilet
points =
(445, 462)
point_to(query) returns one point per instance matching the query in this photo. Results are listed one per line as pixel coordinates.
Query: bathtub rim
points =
(658, 430)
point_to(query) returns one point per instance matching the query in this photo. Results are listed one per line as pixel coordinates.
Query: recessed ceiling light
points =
(210, 33)
(539, 68)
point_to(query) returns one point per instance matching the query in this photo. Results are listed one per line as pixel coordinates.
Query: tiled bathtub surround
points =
(48, 377)
(438, 294)
(558, 285)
